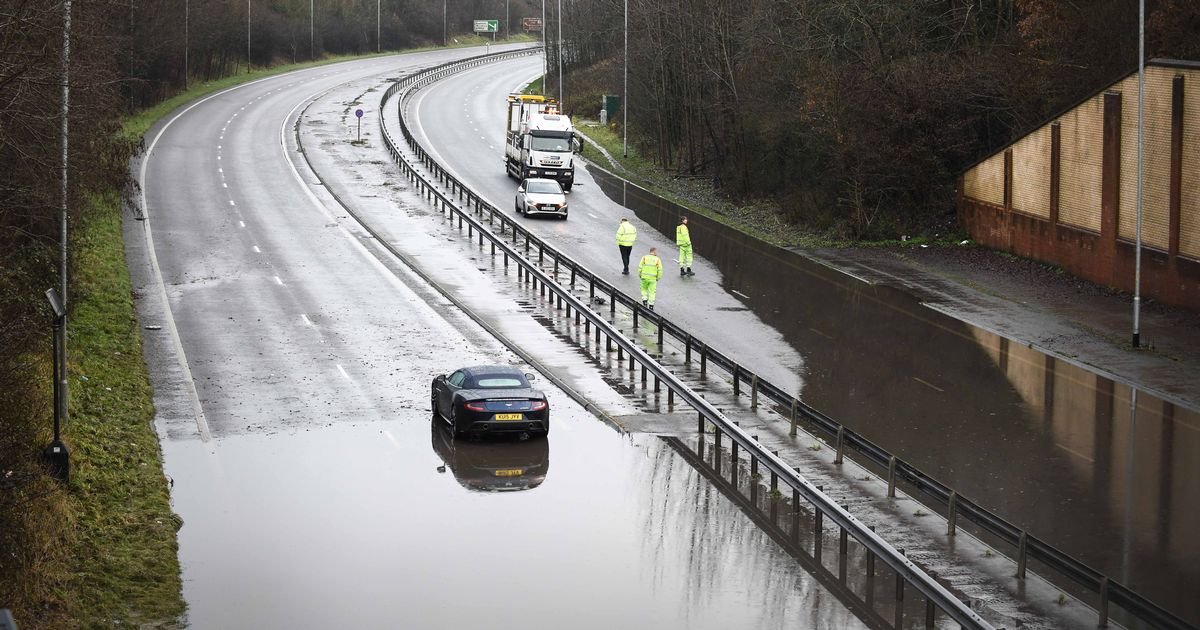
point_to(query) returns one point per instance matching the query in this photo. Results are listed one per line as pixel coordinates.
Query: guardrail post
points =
(1022, 548)
(635, 318)
(870, 576)
(620, 352)
(952, 515)
(541, 250)
(670, 399)
(930, 613)
(753, 390)
(592, 288)
(703, 360)
(643, 375)
(612, 302)
(843, 550)
(736, 379)
(818, 532)
(687, 350)
(717, 449)
(795, 515)
(892, 477)
(733, 463)
(792, 431)
(1103, 621)
(572, 276)
(700, 424)
(754, 477)
(841, 445)
(899, 619)
(660, 334)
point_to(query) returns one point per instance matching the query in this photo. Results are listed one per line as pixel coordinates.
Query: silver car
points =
(541, 196)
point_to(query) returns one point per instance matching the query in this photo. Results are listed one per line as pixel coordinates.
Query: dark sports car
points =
(490, 399)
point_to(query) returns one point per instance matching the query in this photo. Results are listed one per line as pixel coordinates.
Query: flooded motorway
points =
(372, 525)
(292, 357)
(1105, 472)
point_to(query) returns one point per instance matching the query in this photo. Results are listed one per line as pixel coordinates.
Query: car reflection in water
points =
(492, 463)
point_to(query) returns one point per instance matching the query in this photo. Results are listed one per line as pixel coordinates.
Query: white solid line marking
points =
(342, 370)
(218, 147)
(593, 216)
(928, 384)
(220, 170)
(741, 294)
(278, 281)
(304, 317)
(257, 250)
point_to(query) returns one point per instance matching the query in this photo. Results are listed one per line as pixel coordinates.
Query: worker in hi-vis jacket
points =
(684, 240)
(650, 272)
(626, 235)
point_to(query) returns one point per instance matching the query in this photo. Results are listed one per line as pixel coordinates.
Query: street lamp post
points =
(58, 458)
(625, 96)
(312, 31)
(186, 18)
(445, 40)
(378, 25)
(247, 36)
(561, 103)
(1137, 265)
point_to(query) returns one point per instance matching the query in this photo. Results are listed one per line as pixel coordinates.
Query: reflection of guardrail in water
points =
(1026, 547)
(475, 211)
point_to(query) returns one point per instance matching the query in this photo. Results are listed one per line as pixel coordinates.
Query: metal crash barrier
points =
(517, 246)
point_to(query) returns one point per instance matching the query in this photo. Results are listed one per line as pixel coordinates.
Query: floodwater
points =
(395, 524)
(1104, 472)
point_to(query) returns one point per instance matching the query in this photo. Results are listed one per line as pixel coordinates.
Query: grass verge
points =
(125, 569)
(759, 220)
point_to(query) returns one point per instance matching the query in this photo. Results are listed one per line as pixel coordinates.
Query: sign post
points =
(359, 114)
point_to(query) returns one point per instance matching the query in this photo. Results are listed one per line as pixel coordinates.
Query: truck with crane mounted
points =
(539, 140)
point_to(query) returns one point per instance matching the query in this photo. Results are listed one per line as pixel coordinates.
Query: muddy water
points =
(1104, 472)
(395, 524)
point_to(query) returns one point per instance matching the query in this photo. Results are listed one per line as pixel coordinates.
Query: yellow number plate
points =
(508, 416)
(509, 472)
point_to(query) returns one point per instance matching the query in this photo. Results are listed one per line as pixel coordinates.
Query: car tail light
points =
(538, 405)
(474, 406)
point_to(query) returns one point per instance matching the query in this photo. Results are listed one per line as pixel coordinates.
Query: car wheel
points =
(454, 422)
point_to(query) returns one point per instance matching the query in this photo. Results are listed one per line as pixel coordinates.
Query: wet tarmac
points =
(291, 375)
(1061, 450)
(1094, 466)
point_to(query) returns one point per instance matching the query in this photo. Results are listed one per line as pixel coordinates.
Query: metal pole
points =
(186, 18)
(444, 39)
(545, 52)
(1137, 265)
(247, 36)
(378, 25)
(312, 30)
(62, 260)
(625, 95)
(507, 22)
(561, 104)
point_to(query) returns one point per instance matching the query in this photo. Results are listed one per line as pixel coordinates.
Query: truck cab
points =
(540, 142)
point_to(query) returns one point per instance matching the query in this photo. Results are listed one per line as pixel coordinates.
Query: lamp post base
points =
(58, 460)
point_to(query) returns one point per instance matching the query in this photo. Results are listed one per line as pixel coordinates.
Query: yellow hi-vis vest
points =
(650, 268)
(626, 234)
(682, 236)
